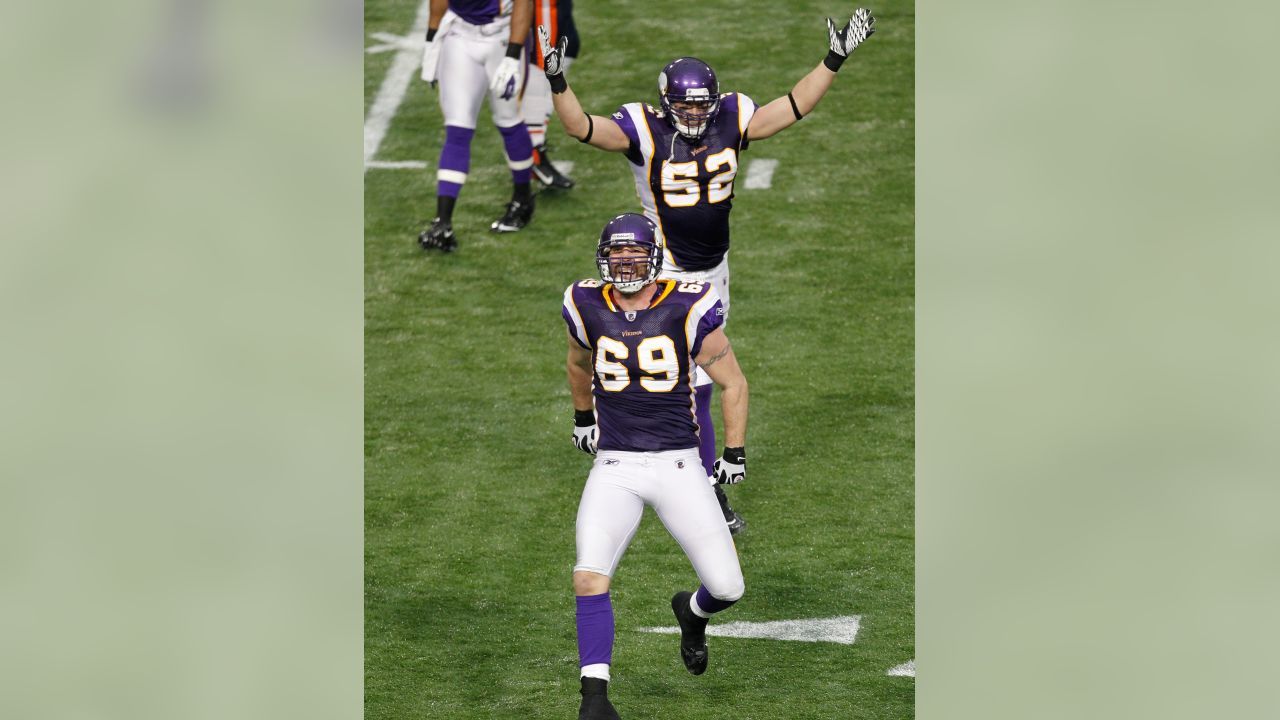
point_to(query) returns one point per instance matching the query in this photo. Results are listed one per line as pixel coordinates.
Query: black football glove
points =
(731, 468)
(843, 42)
(584, 431)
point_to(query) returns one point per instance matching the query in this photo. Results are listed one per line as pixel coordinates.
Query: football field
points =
(471, 481)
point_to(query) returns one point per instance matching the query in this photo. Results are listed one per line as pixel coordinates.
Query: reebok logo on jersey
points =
(698, 150)
(610, 462)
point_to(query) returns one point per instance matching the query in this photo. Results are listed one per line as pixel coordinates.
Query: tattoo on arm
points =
(712, 360)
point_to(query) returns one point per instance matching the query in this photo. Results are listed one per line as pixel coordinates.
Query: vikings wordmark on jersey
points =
(643, 362)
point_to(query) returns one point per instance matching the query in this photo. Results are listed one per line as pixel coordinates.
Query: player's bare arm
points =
(438, 8)
(717, 359)
(787, 110)
(521, 21)
(600, 132)
(578, 367)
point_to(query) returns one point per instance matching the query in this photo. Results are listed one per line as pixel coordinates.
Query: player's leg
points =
(608, 516)
(504, 106)
(462, 83)
(690, 513)
(536, 106)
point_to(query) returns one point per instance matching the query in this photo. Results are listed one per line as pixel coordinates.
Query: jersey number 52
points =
(680, 187)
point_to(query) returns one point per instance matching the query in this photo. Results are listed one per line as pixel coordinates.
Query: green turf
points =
(471, 481)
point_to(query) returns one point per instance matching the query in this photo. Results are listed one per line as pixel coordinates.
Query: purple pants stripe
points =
(706, 430)
(519, 147)
(456, 156)
(709, 604)
(595, 628)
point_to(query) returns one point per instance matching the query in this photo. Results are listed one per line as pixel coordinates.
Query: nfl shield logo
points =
(631, 315)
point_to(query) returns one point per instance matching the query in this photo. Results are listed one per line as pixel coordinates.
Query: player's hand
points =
(584, 431)
(731, 468)
(430, 58)
(552, 58)
(505, 78)
(844, 41)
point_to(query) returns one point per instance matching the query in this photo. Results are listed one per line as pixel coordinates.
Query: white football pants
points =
(674, 484)
(468, 58)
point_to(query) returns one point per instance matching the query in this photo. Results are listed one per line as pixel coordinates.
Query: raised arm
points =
(602, 132)
(787, 110)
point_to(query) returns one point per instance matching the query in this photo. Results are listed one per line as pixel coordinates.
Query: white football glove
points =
(584, 438)
(731, 467)
(430, 61)
(505, 78)
(844, 41)
(584, 431)
(552, 58)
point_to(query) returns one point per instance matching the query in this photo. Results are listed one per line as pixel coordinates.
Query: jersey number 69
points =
(656, 357)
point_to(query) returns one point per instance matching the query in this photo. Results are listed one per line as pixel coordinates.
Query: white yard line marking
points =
(906, 669)
(760, 173)
(395, 85)
(564, 166)
(396, 165)
(843, 630)
(394, 42)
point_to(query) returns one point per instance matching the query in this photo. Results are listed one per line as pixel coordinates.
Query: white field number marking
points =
(760, 173)
(906, 669)
(843, 629)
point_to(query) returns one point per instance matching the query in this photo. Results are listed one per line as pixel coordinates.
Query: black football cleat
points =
(595, 701)
(547, 173)
(693, 634)
(735, 521)
(517, 215)
(438, 237)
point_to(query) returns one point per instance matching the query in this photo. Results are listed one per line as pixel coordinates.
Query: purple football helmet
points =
(631, 274)
(689, 80)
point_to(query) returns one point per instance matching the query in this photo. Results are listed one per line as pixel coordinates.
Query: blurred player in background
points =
(476, 48)
(633, 344)
(684, 155)
(557, 17)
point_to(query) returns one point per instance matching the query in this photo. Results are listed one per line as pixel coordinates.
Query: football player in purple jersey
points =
(634, 341)
(684, 155)
(475, 48)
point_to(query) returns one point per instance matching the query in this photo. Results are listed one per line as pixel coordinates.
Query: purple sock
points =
(595, 629)
(709, 604)
(706, 430)
(519, 151)
(455, 160)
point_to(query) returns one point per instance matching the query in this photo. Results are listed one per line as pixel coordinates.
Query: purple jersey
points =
(642, 361)
(481, 12)
(687, 189)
